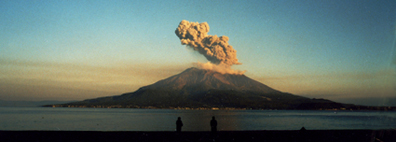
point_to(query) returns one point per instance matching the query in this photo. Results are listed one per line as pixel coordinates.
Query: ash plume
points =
(223, 69)
(215, 49)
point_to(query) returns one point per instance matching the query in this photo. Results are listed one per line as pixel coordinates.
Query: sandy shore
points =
(221, 136)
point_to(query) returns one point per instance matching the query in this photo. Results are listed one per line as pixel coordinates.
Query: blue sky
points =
(74, 50)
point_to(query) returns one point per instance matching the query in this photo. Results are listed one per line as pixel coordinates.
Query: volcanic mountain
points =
(198, 88)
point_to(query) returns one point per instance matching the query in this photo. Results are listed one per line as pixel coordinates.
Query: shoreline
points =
(357, 108)
(196, 136)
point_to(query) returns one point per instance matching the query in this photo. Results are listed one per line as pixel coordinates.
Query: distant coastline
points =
(29, 103)
(347, 108)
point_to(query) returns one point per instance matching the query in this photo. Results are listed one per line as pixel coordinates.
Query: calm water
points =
(83, 119)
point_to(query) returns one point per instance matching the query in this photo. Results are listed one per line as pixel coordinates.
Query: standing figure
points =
(213, 124)
(179, 124)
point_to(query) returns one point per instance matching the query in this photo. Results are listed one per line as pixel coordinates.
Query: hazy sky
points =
(74, 50)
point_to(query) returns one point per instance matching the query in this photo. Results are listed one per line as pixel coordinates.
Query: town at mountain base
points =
(204, 89)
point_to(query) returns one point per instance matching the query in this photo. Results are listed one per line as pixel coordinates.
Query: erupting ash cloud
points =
(216, 49)
(223, 69)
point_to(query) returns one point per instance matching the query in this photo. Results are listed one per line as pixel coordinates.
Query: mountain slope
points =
(197, 88)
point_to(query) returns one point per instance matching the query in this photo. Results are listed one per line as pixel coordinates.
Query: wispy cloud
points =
(346, 84)
(85, 80)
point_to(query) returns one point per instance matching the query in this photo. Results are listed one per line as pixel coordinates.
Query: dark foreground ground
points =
(222, 136)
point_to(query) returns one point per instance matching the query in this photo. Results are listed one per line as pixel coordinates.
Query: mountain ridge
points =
(205, 89)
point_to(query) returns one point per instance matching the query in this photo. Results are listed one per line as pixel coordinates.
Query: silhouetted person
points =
(179, 124)
(213, 124)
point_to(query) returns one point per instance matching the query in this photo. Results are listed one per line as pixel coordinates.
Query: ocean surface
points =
(102, 119)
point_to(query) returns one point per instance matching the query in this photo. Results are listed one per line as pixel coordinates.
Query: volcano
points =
(198, 88)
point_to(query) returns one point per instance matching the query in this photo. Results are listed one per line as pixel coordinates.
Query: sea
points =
(119, 119)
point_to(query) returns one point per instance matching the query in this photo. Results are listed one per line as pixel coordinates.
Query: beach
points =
(203, 136)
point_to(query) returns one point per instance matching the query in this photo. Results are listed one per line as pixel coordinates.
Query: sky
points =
(342, 50)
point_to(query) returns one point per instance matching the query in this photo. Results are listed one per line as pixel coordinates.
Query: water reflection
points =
(90, 119)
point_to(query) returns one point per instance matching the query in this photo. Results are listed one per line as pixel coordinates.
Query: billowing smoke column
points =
(215, 49)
